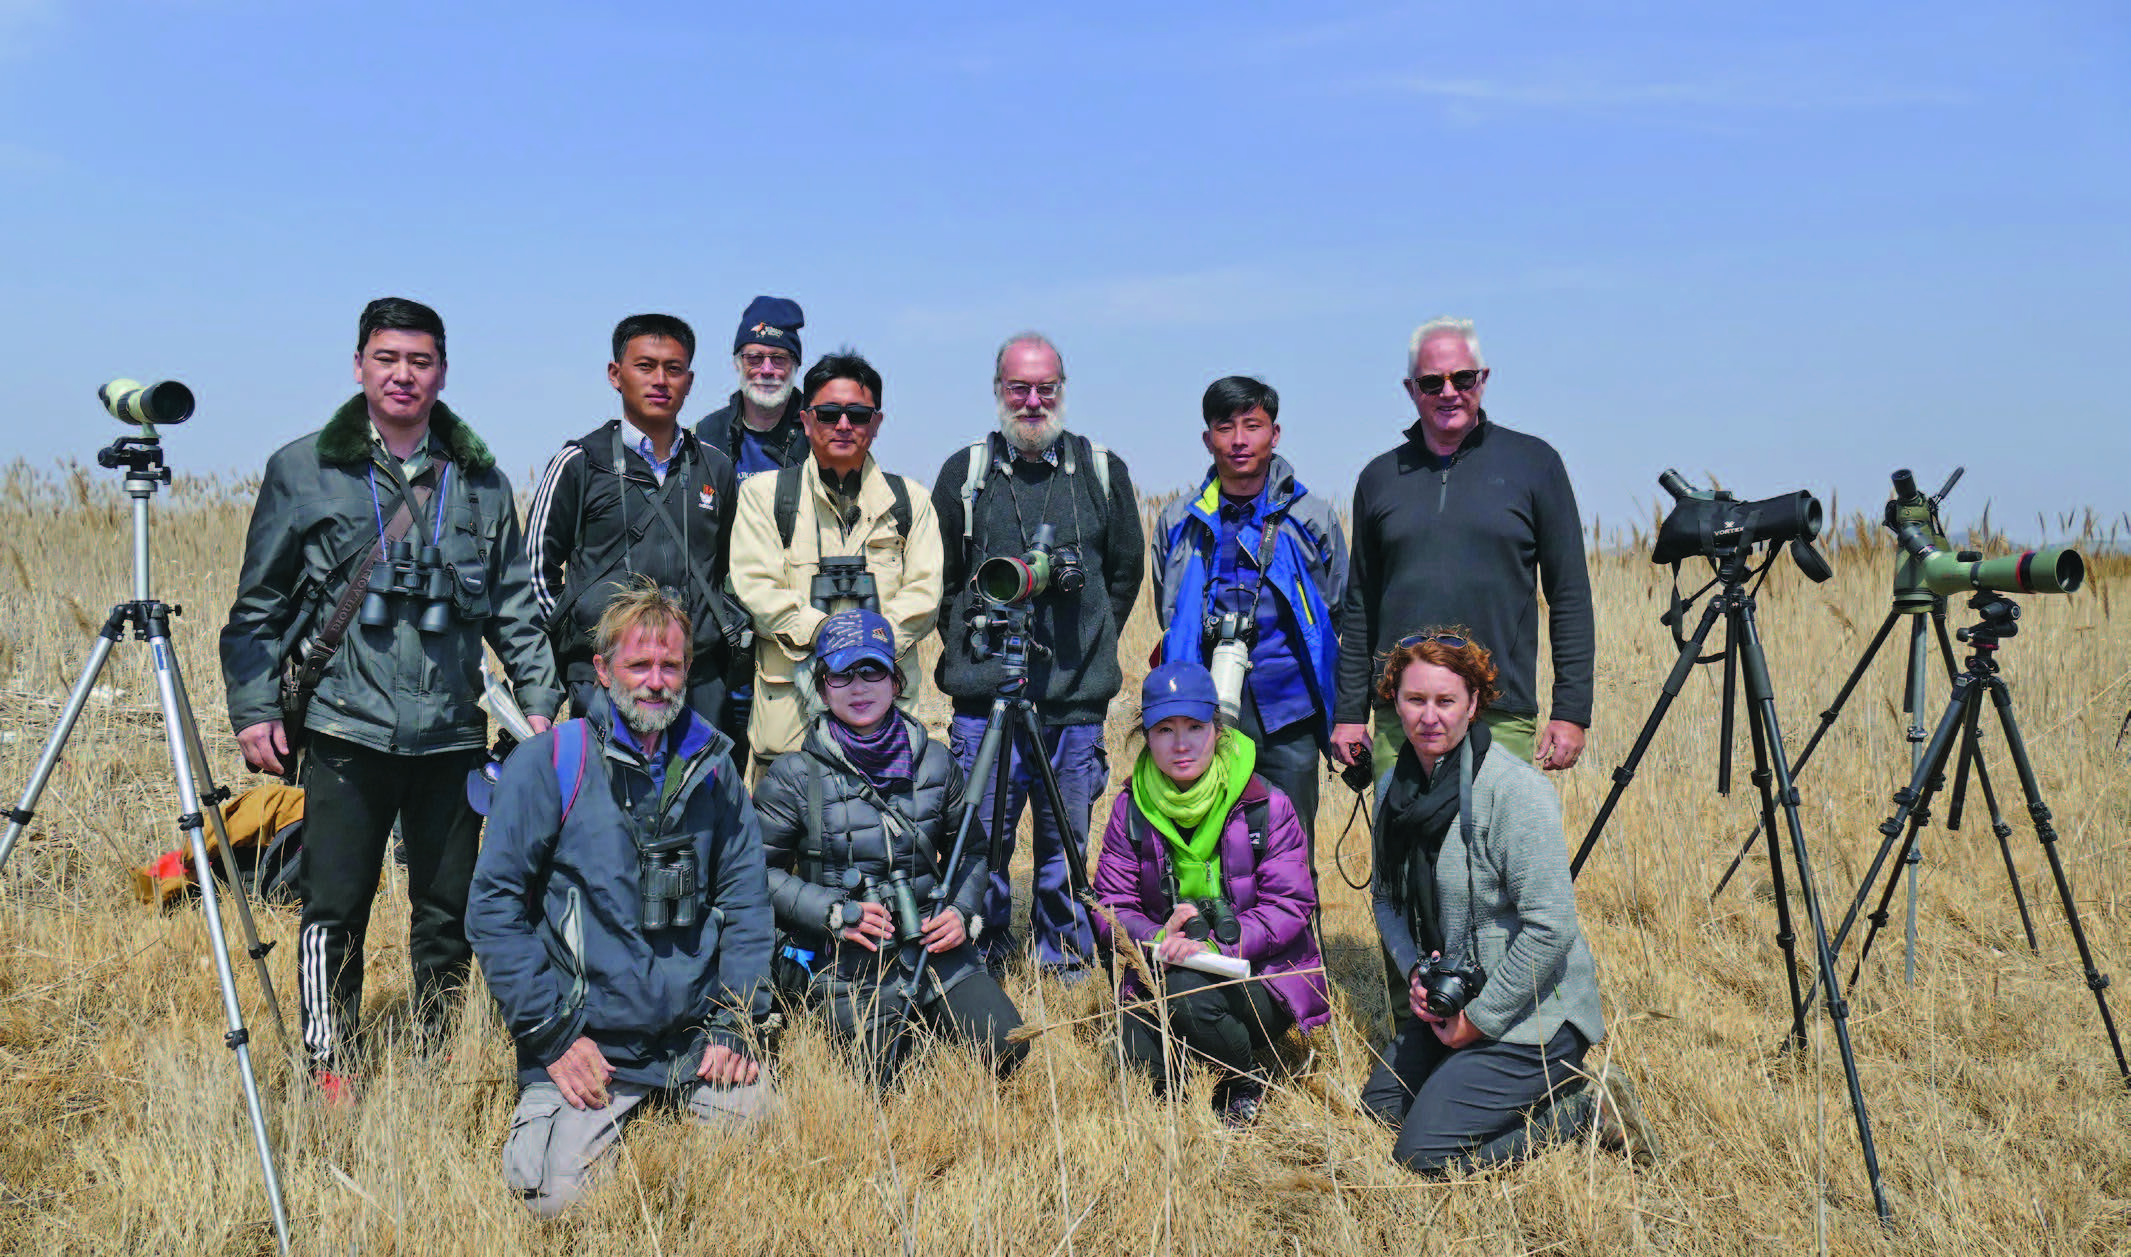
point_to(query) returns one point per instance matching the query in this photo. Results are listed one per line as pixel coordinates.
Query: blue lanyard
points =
(436, 532)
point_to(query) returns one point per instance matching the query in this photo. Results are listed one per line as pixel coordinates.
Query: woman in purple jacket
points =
(1202, 856)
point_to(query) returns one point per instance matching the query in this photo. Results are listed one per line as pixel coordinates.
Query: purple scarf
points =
(883, 756)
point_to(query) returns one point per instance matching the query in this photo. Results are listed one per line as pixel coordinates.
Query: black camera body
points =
(843, 583)
(1445, 988)
(669, 884)
(1216, 920)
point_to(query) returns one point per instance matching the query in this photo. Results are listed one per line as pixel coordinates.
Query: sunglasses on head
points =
(1463, 381)
(1452, 640)
(833, 415)
(870, 672)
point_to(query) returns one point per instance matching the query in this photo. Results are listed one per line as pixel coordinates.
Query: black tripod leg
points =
(1912, 807)
(1999, 829)
(1073, 842)
(1786, 934)
(1761, 696)
(1827, 722)
(1626, 772)
(2097, 981)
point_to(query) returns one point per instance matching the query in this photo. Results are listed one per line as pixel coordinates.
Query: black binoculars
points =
(669, 888)
(842, 584)
(897, 895)
(404, 574)
(1216, 920)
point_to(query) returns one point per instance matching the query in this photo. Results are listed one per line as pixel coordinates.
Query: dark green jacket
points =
(391, 687)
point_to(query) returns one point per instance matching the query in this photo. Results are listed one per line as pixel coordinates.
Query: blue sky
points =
(1793, 246)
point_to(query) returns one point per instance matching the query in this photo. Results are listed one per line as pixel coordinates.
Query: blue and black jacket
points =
(1307, 574)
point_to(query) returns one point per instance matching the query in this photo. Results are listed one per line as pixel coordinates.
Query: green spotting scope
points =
(131, 401)
(2055, 570)
(1911, 505)
(1012, 579)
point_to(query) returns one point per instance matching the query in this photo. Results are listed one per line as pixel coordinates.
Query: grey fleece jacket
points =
(1521, 908)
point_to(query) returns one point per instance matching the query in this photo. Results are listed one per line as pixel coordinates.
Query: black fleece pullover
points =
(1075, 686)
(1457, 541)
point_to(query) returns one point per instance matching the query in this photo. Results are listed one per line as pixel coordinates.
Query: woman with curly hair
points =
(1478, 914)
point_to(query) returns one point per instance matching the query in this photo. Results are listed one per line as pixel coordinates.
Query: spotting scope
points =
(131, 401)
(2054, 570)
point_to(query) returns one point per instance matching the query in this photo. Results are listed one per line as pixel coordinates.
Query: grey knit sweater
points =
(1520, 906)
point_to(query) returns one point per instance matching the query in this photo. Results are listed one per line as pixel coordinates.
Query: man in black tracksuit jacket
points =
(609, 507)
(1451, 528)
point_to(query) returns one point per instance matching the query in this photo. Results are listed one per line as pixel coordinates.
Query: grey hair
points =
(1023, 338)
(1442, 325)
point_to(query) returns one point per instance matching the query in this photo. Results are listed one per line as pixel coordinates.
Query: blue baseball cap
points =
(849, 638)
(1182, 688)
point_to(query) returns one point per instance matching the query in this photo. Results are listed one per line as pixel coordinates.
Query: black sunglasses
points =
(1451, 640)
(832, 415)
(869, 672)
(1430, 385)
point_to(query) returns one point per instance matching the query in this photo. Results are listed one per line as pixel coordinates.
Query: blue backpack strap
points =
(568, 752)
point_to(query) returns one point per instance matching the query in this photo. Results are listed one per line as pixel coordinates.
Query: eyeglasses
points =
(1463, 381)
(1451, 640)
(869, 672)
(768, 358)
(833, 415)
(1021, 392)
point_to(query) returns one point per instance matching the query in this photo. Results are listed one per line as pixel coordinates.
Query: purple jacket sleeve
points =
(1117, 878)
(1286, 892)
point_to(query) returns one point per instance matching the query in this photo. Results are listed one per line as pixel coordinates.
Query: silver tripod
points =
(142, 459)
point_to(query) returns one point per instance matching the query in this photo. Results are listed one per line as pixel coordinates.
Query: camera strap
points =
(1465, 827)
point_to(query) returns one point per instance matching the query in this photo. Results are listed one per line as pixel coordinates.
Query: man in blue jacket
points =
(621, 912)
(1257, 558)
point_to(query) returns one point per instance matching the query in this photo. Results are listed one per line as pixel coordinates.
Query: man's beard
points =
(767, 394)
(634, 714)
(1031, 439)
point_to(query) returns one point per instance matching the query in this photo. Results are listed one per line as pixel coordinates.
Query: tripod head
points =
(1003, 629)
(141, 457)
(2000, 619)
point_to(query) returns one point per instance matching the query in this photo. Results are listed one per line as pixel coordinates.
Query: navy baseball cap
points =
(849, 638)
(1182, 688)
(772, 322)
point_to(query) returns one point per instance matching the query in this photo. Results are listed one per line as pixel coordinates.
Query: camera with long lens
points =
(669, 887)
(1714, 524)
(896, 894)
(1445, 988)
(1232, 634)
(1216, 920)
(408, 573)
(1012, 579)
(842, 584)
(2052, 570)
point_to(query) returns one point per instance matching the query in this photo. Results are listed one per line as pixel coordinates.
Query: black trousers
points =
(1225, 1024)
(975, 1009)
(1289, 760)
(352, 794)
(1465, 1109)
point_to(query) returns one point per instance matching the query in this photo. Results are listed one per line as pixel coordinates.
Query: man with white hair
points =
(1452, 527)
(992, 499)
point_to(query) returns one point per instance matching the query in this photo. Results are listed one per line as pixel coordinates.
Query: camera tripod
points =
(1915, 601)
(1012, 711)
(141, 457)
(1734, 604)
(1964, 711)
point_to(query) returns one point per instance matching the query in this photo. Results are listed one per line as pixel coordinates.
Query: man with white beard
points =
(991, 498)
(621, 911)
(758, 429)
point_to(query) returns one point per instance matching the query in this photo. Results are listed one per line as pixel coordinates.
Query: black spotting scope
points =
(1707, 521)
(131, 401)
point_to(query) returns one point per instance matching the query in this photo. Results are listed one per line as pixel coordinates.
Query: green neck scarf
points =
(1201, 808)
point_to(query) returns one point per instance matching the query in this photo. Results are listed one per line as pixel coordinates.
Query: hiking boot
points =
(336, 1089)
(1241, 1102)
(1620, 1121)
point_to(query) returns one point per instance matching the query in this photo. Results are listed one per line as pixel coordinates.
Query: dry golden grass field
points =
(2002, 1125)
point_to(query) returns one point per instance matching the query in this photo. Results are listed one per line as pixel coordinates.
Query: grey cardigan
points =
(1521, 904)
